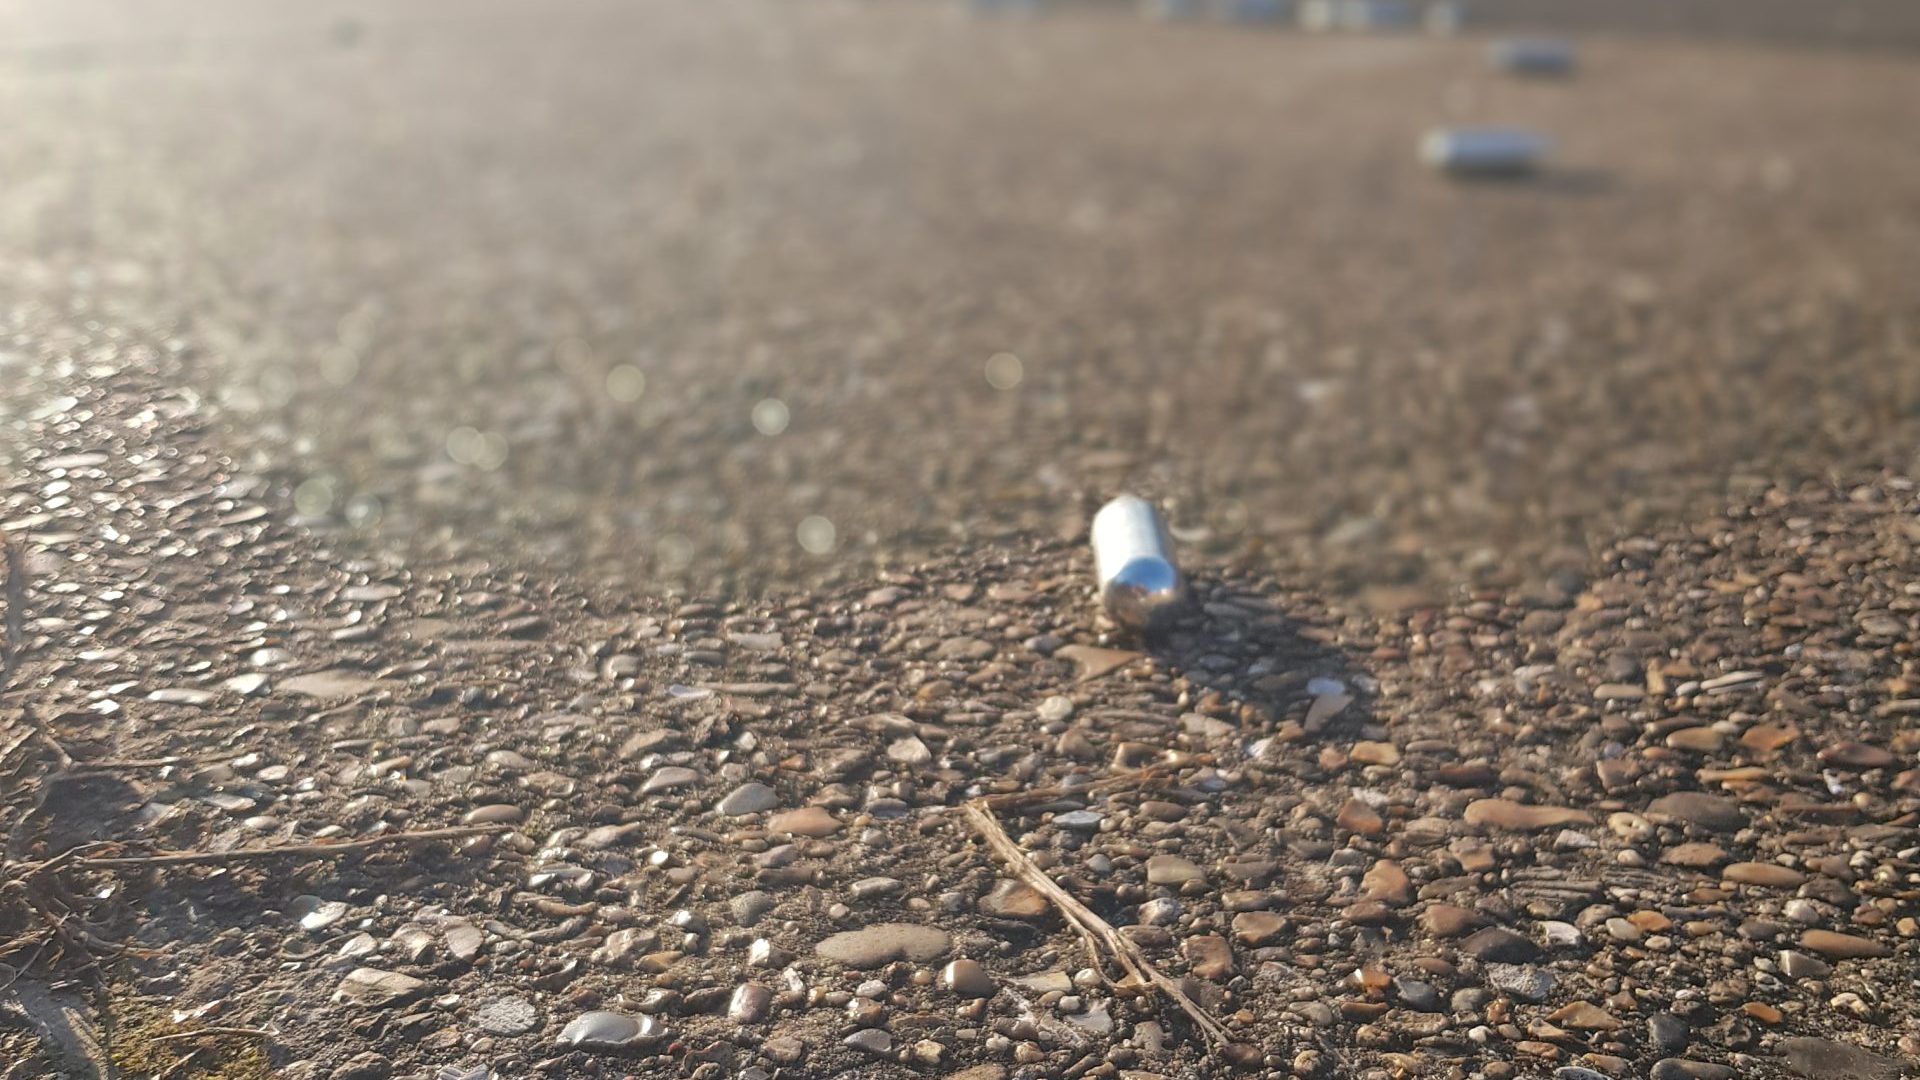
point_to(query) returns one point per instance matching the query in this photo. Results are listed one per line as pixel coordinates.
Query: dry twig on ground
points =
(277, 851)
(41, 901)
(14, 630)
(210, 1032)
(1102, 940)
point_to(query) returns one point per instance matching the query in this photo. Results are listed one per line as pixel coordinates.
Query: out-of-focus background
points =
(747, 294)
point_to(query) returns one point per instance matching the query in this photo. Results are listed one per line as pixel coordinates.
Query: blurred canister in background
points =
(1484, 151)
(1532, 56)
(1167, 10)
(1252, 11)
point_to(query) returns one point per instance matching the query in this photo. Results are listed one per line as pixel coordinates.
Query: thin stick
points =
(1096, 931)
(18, 835)
(190, 858)
(19, 741)
(83, 766)
(258, 1033)
(1135, 779)
(39, 946)
(174, 1069)
(11, 635)
(44, 732)
(988, 826)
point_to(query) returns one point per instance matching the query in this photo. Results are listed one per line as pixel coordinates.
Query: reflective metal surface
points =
(1484, 151)
(1140, 584)
(1532, 56)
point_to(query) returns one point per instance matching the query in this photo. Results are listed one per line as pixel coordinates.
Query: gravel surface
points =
(1660, 816)
(656, 441)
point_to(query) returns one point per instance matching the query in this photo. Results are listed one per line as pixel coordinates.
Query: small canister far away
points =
(1141, 586)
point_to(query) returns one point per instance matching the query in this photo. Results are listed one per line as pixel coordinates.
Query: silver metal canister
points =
(1170, 10)
(1004, 7)
(1532, 56)
(1252, 11)
(1140, 584)
(1484, 151)
(1364, 15)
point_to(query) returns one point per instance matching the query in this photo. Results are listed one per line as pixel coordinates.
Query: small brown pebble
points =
(1387, 883)
(1650, 921)
(1695, 856)
(1839, 946)
(1697, 740)
(1475, 858)
(1257, 928)
(1584, 1016)
(1156, 810)
(1714, 813)
(1374, 753)
(1499, 945)
(1765, 738)
(1358, 817)
(1757, 873)
(811, 821)
(967, 979)
(1009, 899)
(1616, 774)
(1504, 814)
(1367, 913)
(1370, 981)
(1856, 755)
(1172, 870)
(1469, 775)
(1242, 1055)
(1449, 920)
(1210, 956)
(1246, 900)
(1734, 778)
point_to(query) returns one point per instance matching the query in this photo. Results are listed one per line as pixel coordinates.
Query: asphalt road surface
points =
(657, 439)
